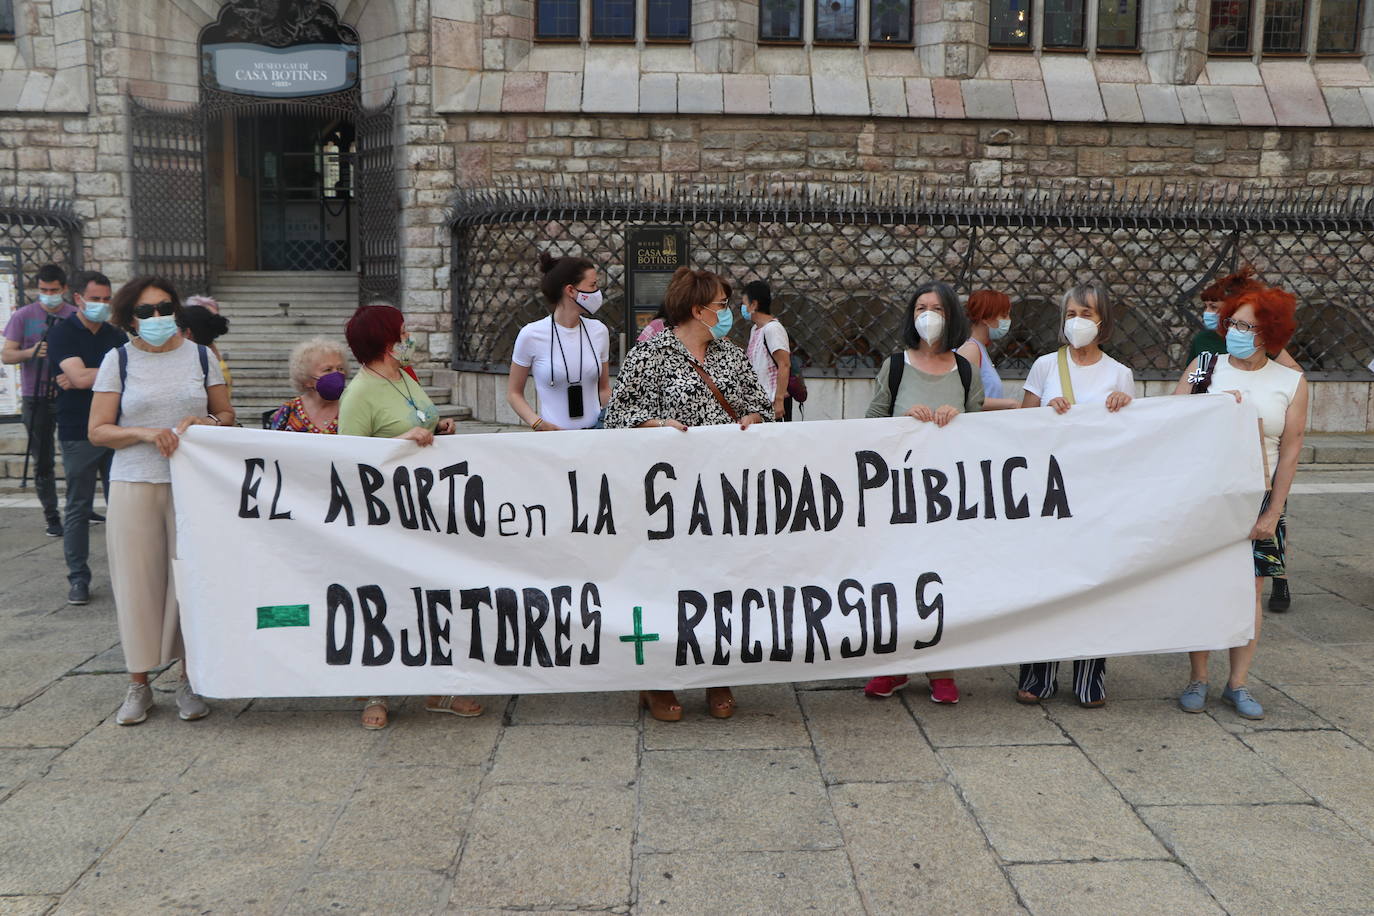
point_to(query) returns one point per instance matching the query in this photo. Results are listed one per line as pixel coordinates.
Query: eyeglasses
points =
(1244, 327)
(149, 309)
(718, 304)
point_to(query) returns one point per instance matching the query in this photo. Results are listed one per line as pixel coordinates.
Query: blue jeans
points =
(81, 461)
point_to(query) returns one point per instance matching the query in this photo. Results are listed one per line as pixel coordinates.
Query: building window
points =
(1284, 22)
(613, 20)
(557, 19)
(1009, 24)
(1338, 27)
(889, 22)
(1064, 23)
(669, 20)
(837, 21)
(1118, 25)
(780, 20)
(1229, 27)
(6, 19)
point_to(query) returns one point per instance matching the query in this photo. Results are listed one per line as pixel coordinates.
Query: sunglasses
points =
(149, 309)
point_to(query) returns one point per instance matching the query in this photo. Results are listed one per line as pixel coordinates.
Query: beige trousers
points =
(140, 540)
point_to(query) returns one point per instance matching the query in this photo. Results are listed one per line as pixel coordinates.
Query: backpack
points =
(896, 365)
(123, 353)
(796, 385)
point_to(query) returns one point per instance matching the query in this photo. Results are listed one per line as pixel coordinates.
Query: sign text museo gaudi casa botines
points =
(300, 70)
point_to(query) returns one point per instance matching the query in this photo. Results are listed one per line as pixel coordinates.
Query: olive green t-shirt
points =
(383, 409)
(919, 387)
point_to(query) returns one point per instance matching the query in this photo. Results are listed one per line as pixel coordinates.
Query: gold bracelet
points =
(538, 421)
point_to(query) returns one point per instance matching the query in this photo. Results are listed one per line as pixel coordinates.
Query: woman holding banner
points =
(1077, 373)
(319, 372)
(147, 393)
(931, 382)
(1255, 323)
(384, 401)
(690, 375)
(548, 350)
(989, 314)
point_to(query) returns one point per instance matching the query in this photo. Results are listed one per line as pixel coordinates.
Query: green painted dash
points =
(283, 615)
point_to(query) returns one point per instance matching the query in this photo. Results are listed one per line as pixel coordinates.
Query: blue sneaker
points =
(1247, 707)
(1194, 697)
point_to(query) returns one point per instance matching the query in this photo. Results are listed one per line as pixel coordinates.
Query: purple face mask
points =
(330, 386)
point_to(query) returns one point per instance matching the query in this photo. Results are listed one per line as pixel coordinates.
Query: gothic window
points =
(837, 21)
(780, 20)
(1118, 25)
(889, 22)
(6, 19)
(1338, 27)
(613, 19)
(1229, 26)
(1284, 22)
(1065, 23)
(1009, 24)
(669, 20)
(557, 19)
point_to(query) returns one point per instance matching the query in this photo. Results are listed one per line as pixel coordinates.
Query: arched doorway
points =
(279, 167)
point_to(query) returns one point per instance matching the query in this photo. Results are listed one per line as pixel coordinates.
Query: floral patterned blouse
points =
(657, 381)
(292, 418)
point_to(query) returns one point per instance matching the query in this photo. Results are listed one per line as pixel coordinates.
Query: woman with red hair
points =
(385, 401)
(990, 313)
(1256, 323)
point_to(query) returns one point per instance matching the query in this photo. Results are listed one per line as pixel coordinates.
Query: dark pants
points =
(40, 419)
(81, 461)
(787, 410)
(1089, 679)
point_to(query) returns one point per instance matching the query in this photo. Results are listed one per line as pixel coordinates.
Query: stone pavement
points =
(811, 799)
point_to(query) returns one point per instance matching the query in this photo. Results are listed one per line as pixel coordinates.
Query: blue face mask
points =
(744, 311)
(1000, 329)
(50, 300)
(96, 311)
(725, 319)
(1210, 320)
(1240, 344)
(157, 330)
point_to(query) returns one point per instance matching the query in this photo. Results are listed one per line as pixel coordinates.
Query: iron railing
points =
(843, 261)
(44, 231)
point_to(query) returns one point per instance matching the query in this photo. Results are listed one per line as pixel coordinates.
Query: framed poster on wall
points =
(11, 298)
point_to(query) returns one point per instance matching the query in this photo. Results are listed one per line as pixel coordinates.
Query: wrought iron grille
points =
(843, 262)
(167, 172)
(379, 205)
(44, 231)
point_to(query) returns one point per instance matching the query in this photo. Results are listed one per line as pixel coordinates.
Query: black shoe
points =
(54, 530)
(1279, 598)
(96, 519)
(80, 593)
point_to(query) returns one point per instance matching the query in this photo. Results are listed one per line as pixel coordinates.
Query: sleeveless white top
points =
(1270, 389)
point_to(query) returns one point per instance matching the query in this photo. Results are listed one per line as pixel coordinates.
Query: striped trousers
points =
(1089, 679)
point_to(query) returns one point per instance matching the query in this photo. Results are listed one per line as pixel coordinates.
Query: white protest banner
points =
(651, 558)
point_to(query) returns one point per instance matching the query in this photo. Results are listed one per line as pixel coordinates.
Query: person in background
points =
(928, 381)
(383, 401)
(655, 327)
(769, 349)
(550, 349)
(1207, 340)
(319, 373)
(1256, 323)
(1093, 377)
(689, 376)
(147, 394)
(26, 343)
(202, 322)
(990, 313)
(76, 347)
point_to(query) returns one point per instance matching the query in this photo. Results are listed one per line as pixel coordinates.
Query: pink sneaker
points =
(944, 690)
(886, 685)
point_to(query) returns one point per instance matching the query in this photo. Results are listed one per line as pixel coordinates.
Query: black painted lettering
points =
(701, 516)
(807, 514)
(724, 611)
(248, 493)
(859, 608)
(884, 630)
(749, 602)
(562, 625)
(591, 620)
(782, 625)
(925, 608)
(815, 608)
(472, 600)
(1056, 497)
(372, 481)
(414, 659)
(687, 624)
(736, 504)
(440, 645)
(507, 628)
(536, 615)
(654, 504)
(424, 485)
(872, 471)
(938, 505)
(276, 512)
(378, 646)
(338, 603)
(405, 499)
(1012, 505)
(338, 499)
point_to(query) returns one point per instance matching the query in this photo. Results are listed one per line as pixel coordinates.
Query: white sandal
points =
(445, 706)
(376, 701)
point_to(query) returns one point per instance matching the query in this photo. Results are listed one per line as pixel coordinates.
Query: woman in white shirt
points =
(1092, 377)
(567, 354)
(1256, 324)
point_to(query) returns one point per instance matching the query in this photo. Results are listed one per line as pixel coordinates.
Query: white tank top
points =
(1270, 389)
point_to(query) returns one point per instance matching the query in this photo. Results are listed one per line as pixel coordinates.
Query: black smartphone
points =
(575, 408)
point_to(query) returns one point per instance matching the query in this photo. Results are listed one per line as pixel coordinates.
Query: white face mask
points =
(1080, 332)
(589, 301)
(930, 325)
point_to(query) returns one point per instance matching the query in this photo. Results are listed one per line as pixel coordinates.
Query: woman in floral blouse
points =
(689, 376)
(318, 371)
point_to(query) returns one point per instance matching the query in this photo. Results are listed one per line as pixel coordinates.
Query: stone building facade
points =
(973, 92)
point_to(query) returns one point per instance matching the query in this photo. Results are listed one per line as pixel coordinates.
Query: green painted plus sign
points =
(640, 637)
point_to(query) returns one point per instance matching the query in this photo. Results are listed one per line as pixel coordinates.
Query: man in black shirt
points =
(76, 347)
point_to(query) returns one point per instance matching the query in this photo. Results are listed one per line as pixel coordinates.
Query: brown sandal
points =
(662, 704)
(1026, 698)
(454, 706)
(376, 724)
(720, 702)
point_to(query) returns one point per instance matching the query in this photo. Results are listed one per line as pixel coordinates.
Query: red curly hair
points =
(1232, 285)
(372, 330)
(987, 305)
(1275, 315)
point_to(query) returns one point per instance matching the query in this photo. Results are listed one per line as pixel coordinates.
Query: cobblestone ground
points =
(811, 799)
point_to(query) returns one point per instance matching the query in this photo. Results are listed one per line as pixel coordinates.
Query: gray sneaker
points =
(136, 704)
(189, 704)
(1194, 697)
(1247, 707)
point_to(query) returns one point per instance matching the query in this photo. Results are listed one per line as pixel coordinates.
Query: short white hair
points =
(205, 301)
(303, 358)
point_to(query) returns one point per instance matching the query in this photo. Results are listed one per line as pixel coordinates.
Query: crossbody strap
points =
(1065, 383)
(710, 383)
